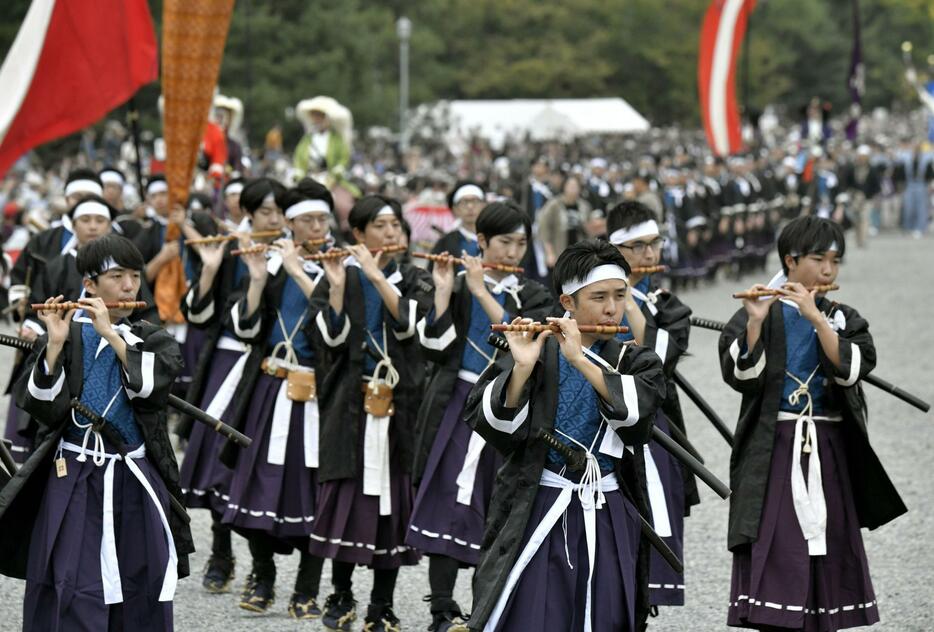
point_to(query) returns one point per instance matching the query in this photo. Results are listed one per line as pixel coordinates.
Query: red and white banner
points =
(721, 36)
(71, 63)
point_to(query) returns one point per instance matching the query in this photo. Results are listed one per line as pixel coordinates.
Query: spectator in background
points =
(562, 220)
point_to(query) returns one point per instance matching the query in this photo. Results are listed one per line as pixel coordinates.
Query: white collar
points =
(394, 279)
(459, 227)
(121, 328)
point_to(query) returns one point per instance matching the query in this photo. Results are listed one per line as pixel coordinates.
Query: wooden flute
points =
(249, 250)
(650, 269)
(67, 305)
(775, 292)
(457, 260)
(536, 328)
(218, 239)
(340, 253)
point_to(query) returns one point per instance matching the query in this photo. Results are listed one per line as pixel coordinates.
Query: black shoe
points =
(303, 607)
(446, 615)
(381, 618)
(258, 594)
(218, 573)
(448, 622)
(340, 611)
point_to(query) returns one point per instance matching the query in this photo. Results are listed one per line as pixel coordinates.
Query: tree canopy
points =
(642, 50)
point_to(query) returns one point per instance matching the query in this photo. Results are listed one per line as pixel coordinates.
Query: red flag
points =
(71, 63)
(721, 36)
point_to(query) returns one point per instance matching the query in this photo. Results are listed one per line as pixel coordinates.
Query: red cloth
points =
(94, 55)
(720, 40)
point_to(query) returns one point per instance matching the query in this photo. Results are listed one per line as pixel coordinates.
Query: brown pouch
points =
(379, 402)
(300, 386)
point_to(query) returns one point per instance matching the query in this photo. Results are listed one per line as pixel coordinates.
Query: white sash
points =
(110, 569)
(591, 497)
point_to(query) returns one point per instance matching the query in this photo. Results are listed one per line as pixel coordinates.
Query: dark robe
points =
(443, 342)
(340, 349)
(517, 483)
(759, 376)
(153, 360)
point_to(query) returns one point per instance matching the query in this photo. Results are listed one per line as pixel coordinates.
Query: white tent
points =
(545, 118)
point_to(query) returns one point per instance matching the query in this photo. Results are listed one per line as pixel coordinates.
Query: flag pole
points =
(132, 117)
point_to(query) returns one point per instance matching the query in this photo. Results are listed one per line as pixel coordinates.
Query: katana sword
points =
(579, 459)
(666, 442)
(6, 457)
(703, 406)
(175, 402)
(878, 382)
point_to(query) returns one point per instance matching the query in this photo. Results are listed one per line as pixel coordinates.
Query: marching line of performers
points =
(386, 425)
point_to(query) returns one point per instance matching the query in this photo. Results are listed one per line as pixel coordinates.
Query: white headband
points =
(83, 186)
(112, 177)
(467, 189)
(518, 230)
(833, 247)
(307, 206)
(90, 208)
(600, 273)
(386, 210)
(157, 186)
(233, 189)
(108, 265)
(644, 229)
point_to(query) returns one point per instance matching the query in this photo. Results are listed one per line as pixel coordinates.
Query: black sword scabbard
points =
(704, 407)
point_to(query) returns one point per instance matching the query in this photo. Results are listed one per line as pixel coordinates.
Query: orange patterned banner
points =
(193, 36)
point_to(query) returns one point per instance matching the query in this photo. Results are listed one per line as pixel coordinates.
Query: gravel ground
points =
(902, 566)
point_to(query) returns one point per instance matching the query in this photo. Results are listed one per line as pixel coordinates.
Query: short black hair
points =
(628, 213)
(82, 173)
(256, 190)
(458, 185)
(93, 255)
(500, 218)
(366, 208)
(809, 235)
(93, 198)
(198, 201)
(306, 189)
(577, 260)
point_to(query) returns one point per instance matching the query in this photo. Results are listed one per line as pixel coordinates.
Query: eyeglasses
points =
(639, 247)
(470, 202)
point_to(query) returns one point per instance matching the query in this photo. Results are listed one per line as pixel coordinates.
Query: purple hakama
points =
(275, 499)
(204, 480)
(349, 527)
(775, 581)
(551, 592)
(64, 589)
(22, 447)
(440, 524)
(666, 587)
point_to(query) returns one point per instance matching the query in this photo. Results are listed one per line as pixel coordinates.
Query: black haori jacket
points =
(760, 378)
(255, 331)
(631, 409)
(667, 328)
(207, 313)
(341, 366)
(154, 360)
(443, 342)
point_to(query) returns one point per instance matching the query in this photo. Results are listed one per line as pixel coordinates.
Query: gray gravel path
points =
(892, 284)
